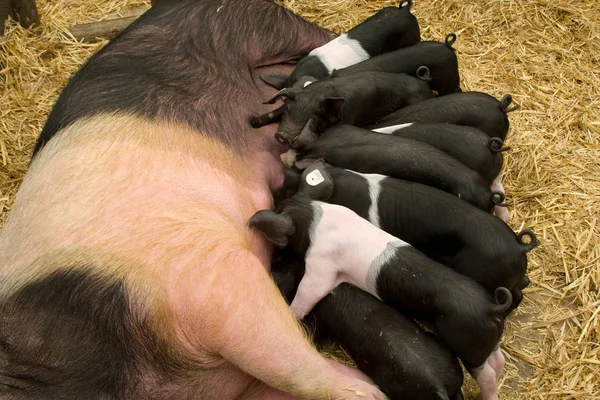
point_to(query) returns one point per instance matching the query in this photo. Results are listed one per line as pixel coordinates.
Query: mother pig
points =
(126, 266)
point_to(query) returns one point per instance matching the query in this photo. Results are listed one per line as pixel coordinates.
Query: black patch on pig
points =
(186, 62)
(73, 335)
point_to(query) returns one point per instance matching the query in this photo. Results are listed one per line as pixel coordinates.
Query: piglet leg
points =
(500, 211)
(496, 360)
(313, 287)
(486, 379)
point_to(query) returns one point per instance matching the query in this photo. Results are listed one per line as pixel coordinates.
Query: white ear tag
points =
(315, 178)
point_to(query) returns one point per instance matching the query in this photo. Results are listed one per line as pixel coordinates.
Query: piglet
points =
(339, 246)
(403, 360)
(472, 147)
(450, 231)
(468, 145)
(440, 58)
(350, 99)
(475, 109)
(389, 29)
(399, 157)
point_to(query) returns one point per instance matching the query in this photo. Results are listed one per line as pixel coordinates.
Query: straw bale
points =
(546, 53)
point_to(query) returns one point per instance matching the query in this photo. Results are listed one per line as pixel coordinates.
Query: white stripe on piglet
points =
(391, 129)
(340, 53)
(373, 180)
(343, 248)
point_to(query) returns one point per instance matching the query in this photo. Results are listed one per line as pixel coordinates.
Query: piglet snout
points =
(282, 138)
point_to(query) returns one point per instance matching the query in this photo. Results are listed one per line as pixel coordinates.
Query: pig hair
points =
(495, 145)
(450, 39)
(423, 73)
(505, 102)
(533, 242)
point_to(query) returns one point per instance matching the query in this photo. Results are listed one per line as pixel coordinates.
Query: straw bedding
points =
(546, 53)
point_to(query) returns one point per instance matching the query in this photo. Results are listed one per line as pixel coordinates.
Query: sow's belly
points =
(154, 192)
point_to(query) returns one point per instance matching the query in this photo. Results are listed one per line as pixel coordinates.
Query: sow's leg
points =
(257, 332)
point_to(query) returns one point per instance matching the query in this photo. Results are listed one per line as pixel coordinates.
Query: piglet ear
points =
(316, 182)
(277, 228)
(333, 107)
(276, 80)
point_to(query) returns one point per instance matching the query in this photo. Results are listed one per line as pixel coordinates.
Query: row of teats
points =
(376, 122)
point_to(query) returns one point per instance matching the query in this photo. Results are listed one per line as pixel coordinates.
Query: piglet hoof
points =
(502, 212)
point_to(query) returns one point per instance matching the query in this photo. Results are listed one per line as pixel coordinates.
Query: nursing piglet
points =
(399, 157)
(389, 29)
(448, 230)
(403, 360)
(472, 147)
(440, 58)
(339, 246)
(351, 99)
(475, 109)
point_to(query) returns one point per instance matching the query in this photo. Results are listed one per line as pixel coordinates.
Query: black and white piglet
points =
(475, 109)
(472, 147)
(440, 59)
(450, 231)
(399, 157)
(339, 246)
(468, 145)
(350, 99)
(389, 29)
(403, 360)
